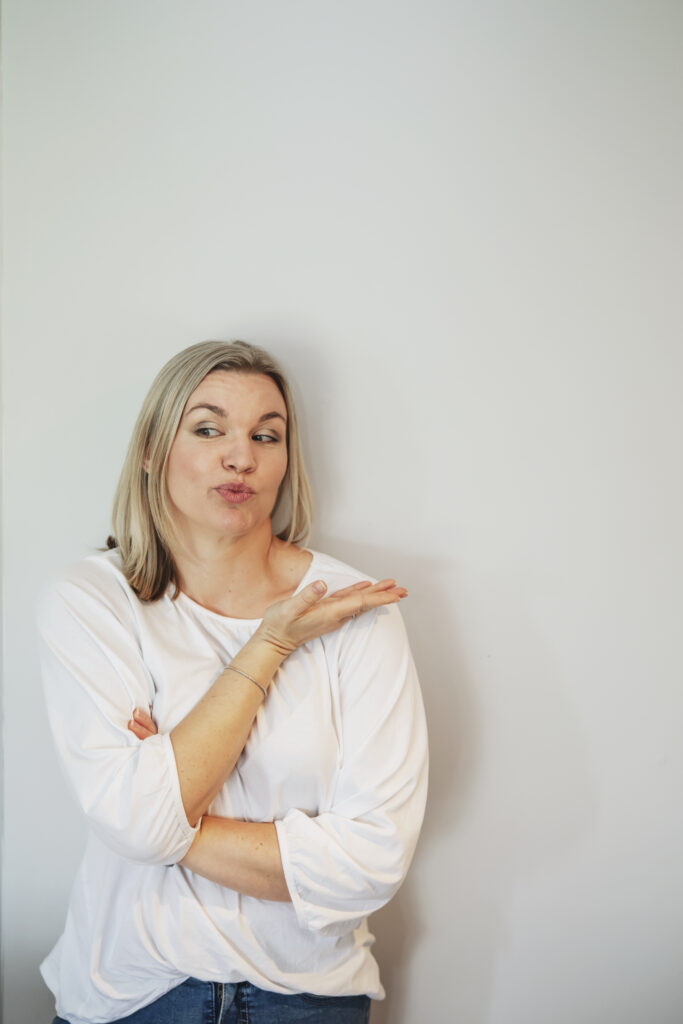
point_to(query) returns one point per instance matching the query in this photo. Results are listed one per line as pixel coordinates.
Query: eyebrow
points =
(217, 411)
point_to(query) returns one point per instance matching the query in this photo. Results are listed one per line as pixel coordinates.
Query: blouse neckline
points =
(240, 621)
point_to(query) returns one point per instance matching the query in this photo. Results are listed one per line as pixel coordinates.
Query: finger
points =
(141, 717)
(369, 596)
(139, 730)
(384, 584)
(354, 606)
(365, 585)
(396, 589)
(377, 598)
(306, 598)
(142, 724)
(362, 585)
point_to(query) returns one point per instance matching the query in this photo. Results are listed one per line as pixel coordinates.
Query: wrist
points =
(260, 658)
(274, 645)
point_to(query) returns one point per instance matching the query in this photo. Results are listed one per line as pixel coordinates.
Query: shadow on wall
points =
(512, 795)
(453, 742)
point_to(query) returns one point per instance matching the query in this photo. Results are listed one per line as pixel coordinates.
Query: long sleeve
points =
(93, 677)
(347, 861)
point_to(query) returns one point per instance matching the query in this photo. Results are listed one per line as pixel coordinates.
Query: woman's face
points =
(229, 456)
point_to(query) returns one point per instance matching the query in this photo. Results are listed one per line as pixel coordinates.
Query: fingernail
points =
(319, 587)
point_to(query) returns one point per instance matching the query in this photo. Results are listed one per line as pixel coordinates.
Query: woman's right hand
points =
(309, 614)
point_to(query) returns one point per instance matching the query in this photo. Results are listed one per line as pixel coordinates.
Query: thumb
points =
(310, 595)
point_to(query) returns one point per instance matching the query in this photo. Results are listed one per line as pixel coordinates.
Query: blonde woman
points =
(241, 722)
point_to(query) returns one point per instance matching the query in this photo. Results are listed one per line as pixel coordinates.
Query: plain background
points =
(459, 226)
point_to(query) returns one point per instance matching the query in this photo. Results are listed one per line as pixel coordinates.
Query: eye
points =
(207, 432)
(267, 438)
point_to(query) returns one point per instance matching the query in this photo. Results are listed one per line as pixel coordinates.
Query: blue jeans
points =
(209, 1002)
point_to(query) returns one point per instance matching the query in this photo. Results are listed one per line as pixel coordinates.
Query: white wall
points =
(459, 225)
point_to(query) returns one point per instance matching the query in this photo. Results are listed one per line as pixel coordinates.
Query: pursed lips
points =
(235, 493)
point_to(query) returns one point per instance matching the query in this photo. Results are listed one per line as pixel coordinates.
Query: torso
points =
(135, 930)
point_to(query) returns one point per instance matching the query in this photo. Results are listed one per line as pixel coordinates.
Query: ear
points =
(145, 464)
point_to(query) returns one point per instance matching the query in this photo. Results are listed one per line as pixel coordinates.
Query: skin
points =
(229, 561)
(227, 557)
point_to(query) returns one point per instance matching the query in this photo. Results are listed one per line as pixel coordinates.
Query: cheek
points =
(180, 470)
(276, 474)
(282, 469)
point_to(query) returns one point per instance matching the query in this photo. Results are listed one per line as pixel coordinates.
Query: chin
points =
(239, 525)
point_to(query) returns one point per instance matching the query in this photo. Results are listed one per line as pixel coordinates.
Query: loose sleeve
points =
(93, 677)
(348, 861)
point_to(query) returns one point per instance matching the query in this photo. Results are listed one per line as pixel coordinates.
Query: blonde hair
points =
(141, 520)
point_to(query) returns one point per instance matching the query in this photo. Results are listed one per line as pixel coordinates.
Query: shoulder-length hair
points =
(142, 524)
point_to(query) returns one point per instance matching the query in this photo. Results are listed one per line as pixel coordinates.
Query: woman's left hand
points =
(142, 724)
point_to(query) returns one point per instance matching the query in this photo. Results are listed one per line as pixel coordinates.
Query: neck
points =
(212, 567)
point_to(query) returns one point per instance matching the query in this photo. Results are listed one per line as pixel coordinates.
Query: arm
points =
(241, 855)
(209, 740)
(348, 861)
(143, 800)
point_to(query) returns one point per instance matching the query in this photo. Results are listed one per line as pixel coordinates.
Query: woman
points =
(240, 719)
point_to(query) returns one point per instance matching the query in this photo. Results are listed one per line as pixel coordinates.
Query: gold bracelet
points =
(250, 678)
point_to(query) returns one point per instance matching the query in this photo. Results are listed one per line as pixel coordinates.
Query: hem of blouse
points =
(49, 972)
(288, 871)
(313, 919)
(187, 830)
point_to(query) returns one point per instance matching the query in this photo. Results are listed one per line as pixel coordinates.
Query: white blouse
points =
(337, 758)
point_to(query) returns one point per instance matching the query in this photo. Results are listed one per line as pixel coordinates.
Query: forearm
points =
(240, 855)
(209, 740)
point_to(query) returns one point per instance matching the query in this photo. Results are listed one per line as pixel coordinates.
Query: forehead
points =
(236, 389)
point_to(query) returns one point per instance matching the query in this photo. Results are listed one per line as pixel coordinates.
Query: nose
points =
(238, 455)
